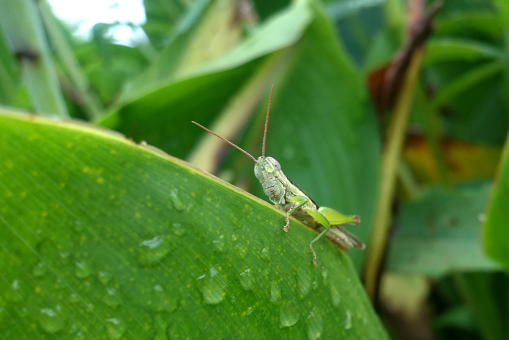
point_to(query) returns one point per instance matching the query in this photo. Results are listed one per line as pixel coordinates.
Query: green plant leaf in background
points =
(162, 116)
(495, 232)
(103, 238)
(22, 26)
(439, 232)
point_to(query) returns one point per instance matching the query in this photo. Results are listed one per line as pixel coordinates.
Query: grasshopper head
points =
(268, 172)
(266, 167)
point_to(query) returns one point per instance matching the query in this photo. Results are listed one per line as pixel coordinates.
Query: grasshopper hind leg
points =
(324, 222)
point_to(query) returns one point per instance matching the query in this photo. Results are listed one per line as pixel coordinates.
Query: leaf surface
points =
(104, 238)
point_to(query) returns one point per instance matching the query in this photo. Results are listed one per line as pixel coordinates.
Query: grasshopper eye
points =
(256, 170)
(274, 163)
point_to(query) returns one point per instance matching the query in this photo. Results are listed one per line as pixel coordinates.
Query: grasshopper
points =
(287, 197)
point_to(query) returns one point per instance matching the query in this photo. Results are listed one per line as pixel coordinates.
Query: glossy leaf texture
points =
(104, 238)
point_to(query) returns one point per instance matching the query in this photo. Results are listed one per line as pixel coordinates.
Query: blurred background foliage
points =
(439, 274)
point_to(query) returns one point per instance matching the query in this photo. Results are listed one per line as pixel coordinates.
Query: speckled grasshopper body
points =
(287, 197)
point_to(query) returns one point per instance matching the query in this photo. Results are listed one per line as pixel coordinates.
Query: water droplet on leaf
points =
(104, 277)
(52, 320)
(241, 250)
(325, 275)
(39, 269)
(74, 298)
(162, 300)
(178, 229)
(315, 325)
(219, 244)
(177, 203)
(79, 225)
(152, 251)
(246, 279)
(81, 270)
(303, 283)
(288, 314)
(213, 289)
(249, 311)
(115, 328)
(13, 293)
(112, 298)
(335, 296)
(265, 254)
(348, 320)
(275, 292)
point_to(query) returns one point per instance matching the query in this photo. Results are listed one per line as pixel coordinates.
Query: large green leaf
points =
(104, 238)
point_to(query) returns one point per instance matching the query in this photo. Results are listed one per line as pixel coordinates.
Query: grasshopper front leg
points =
(299, 202)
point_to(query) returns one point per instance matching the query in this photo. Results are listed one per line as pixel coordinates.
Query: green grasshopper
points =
(287, 197)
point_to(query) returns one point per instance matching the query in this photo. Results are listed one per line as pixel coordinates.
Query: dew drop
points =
(104, 277)
(59, 284)
(177, 203)
(22, 312)
(325, 275)
(288, 314)
(162, 300)
(241, 250)
(213, 271)
(178, 229)
(315, 325)
(79, 336)
(112, 298)
(13, 293)
(275, 292)
(115, 328)
(335, 296)
(265, 254)
(79, 225)
(219, 244)
(64, 258)
(52, 320)
(213, 288)
(72, 328)
(303, 284)
(81, 270)
(246, 279)
(152, 251)
(249, 311)
(348, 320)
(74, 298)
(39, 269)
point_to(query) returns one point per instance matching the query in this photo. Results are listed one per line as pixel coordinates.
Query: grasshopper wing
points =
(343, 238)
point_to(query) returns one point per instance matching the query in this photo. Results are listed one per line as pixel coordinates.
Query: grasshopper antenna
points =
(227, 141)
(267, 122)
